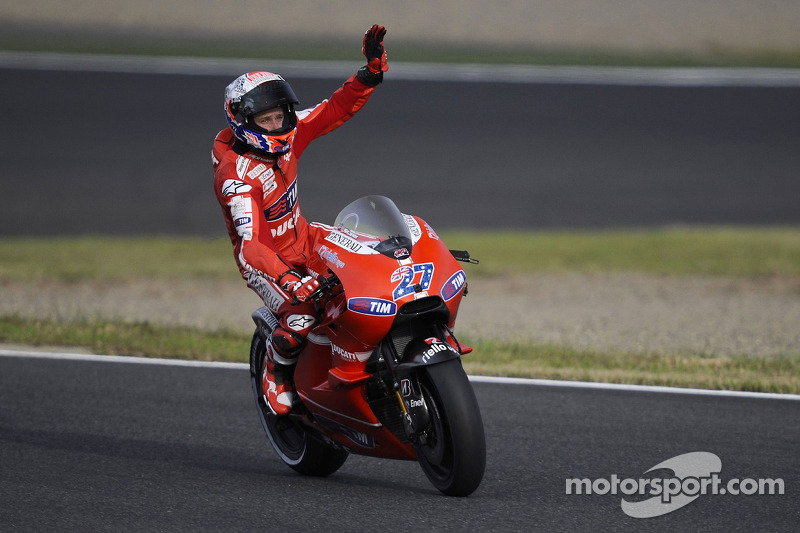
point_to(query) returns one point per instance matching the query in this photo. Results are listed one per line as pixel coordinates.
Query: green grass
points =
(124, 338)
(115, 258)
(763, 374)
(667, 251)
(491, 358)
(738, 252)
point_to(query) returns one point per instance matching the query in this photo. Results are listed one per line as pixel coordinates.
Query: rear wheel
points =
(453, 452)
(295, 444)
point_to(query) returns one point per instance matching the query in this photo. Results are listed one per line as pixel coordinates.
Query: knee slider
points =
(288, 343)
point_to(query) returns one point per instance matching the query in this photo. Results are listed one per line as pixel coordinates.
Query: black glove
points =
(373, 50)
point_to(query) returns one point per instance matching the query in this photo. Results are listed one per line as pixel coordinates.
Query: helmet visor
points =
(266, 96)
(275, 121)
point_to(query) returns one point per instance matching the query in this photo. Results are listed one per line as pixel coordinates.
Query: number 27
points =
(409, 276)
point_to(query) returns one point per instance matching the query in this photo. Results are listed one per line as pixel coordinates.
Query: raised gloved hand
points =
(298, 288)
(373, 49)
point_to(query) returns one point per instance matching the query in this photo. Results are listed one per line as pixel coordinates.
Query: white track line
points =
(475, 73)
(475, 379)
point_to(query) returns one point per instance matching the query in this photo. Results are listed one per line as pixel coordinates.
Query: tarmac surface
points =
(90, 445)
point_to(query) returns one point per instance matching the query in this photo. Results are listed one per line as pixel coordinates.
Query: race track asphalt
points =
(109, 446)
(129, 153)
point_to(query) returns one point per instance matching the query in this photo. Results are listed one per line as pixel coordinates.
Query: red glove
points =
(373, 49)
(300, 289)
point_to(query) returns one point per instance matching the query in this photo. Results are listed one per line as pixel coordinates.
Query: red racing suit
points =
(258, 195)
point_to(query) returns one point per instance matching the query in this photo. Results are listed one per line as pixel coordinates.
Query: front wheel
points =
(292, 440)
(453, 451)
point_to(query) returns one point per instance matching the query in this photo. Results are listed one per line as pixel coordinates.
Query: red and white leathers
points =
(257, 192)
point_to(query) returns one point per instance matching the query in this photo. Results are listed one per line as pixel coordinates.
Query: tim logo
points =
(284, 205)
(453, 285)
(372, 306)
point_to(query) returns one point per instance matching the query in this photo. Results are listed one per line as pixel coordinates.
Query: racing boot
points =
(282, 348)
(276, 381)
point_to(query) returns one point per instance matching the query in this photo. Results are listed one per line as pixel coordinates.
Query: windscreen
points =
(377, 216)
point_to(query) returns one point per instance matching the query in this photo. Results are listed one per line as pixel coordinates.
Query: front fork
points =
(416, 418)
(405, 369)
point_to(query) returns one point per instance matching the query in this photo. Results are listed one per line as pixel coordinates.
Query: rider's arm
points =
(331, 113)
(349, 98)
(256, 251)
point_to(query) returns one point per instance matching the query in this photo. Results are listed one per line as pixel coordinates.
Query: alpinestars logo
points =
(299, 322)
(234, 187)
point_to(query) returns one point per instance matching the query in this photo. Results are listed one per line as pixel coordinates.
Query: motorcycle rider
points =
(255, 167)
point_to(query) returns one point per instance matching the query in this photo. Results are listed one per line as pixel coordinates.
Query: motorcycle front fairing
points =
(417, 264)
(384, 261)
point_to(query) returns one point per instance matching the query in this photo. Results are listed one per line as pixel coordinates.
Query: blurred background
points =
(561, 114)
(710, 28)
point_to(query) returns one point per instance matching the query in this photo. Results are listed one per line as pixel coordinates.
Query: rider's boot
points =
(283, 347)
(276, 380)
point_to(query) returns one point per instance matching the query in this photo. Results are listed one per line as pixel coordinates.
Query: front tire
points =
(294, 443)
(453, 454)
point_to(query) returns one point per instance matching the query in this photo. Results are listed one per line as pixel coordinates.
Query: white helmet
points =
(253, 93)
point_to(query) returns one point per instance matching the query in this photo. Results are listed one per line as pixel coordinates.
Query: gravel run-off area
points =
(630, 312)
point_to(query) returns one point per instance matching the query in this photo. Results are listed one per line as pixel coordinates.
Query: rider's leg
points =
(282, 349)
(287, 340)
(284, 344)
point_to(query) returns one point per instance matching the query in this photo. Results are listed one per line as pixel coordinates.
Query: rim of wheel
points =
(435, 450)
(282, 431)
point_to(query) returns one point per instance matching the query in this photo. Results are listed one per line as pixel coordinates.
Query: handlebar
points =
(326, 285)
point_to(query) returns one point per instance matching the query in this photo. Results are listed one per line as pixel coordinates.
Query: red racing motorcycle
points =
(381, 374)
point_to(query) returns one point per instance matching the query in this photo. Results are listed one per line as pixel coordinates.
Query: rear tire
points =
(295, 443)
(454, 453)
